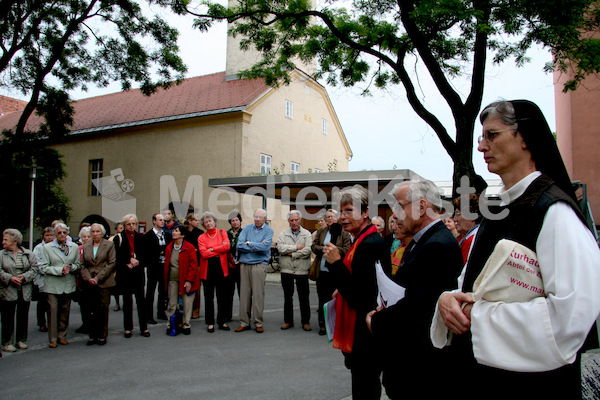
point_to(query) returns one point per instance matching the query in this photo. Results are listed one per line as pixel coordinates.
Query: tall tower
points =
(238, 60)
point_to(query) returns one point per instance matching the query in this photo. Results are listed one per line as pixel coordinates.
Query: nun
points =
(524, 348)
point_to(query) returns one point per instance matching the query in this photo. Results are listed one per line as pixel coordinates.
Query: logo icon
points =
(114, 189)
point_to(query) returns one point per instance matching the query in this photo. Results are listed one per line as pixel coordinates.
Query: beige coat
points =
(8, 265)
(292, 260)
(53, 261)
(101, 266)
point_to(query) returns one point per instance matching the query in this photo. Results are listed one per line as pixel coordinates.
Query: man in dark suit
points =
(430, 266)
(155, 242)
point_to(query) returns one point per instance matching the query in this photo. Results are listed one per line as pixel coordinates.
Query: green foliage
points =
(82, 42)
(19, 153)
(48, 48)
(378, 42)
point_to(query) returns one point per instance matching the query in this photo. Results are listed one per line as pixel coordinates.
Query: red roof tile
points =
(201, 94)
(9, 105)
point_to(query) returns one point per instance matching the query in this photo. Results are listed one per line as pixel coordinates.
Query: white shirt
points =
(546, 332)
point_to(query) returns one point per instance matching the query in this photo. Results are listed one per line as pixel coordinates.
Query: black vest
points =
(522, 225)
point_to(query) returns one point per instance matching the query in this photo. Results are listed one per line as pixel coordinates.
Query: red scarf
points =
(345, 316)
(130, 238)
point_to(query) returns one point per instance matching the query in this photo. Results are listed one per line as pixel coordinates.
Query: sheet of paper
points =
(329, 310)
(389, 291)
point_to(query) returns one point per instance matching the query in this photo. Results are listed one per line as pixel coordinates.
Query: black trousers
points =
(233, 280)
(42, 305)
(287, 282)
(128, 293)
(7, 310)
(98, 301)
(325, 289)
(156, 278)
(220, 284)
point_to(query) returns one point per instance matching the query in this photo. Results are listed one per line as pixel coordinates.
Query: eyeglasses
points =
(489, 135)
(399, 206)
(61, 232)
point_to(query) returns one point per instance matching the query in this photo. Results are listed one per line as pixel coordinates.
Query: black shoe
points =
(101, 342)
(145, 334)
(210, 330)
(187, 331)
(224, 327)
(92, 342)
(152, 322)
(128, 335)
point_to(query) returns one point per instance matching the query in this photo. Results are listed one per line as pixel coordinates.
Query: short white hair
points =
(263, 211)
(60, 225)
(207, 214)
(85, 229)
(102, 228)
(294, 212)
(421, 189)
(381, 220)
(14, 235)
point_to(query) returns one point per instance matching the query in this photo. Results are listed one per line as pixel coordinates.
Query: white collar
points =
(507, 196)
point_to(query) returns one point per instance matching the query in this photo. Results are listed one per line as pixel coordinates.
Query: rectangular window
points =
(294, 168)
(265, 164)
(95, 172)
(289, 109)
(324, 126)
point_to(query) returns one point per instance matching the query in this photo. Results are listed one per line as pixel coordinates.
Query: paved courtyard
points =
(277, 364)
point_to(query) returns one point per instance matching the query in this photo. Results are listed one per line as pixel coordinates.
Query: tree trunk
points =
(463, 157)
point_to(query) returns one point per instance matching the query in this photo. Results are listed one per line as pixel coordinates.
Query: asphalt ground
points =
(276, 364)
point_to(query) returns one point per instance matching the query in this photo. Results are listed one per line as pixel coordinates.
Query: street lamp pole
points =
(32, 176)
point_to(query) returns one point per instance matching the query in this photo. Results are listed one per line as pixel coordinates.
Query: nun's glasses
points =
(490, 135)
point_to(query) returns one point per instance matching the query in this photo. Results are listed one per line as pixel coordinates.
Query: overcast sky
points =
(383, 130)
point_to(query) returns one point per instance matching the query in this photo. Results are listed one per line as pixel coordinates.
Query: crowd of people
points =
(458, 316)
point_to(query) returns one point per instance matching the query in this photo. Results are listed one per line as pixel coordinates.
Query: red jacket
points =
(205, 242)
(188, 266)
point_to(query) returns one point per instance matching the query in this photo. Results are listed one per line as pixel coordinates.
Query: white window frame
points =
(324, 126)
(289, 109)
(265, 164)
(318, 171)
(96, 172)
(294, 167)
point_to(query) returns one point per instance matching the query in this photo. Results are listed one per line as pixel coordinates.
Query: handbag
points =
(176, 322)
(230, 260)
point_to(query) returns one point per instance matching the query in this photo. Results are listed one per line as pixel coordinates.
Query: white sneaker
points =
(22, 345)
(10, 348)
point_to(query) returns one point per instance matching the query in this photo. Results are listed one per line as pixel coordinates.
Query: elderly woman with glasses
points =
(60, 263)
(18, 269)
(214, 271)
(354, 276)
(130, 274)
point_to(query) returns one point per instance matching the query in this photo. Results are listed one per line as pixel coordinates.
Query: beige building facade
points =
(153, 157)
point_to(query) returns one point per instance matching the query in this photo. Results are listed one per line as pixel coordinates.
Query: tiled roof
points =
(9, 105)
(202, 95)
